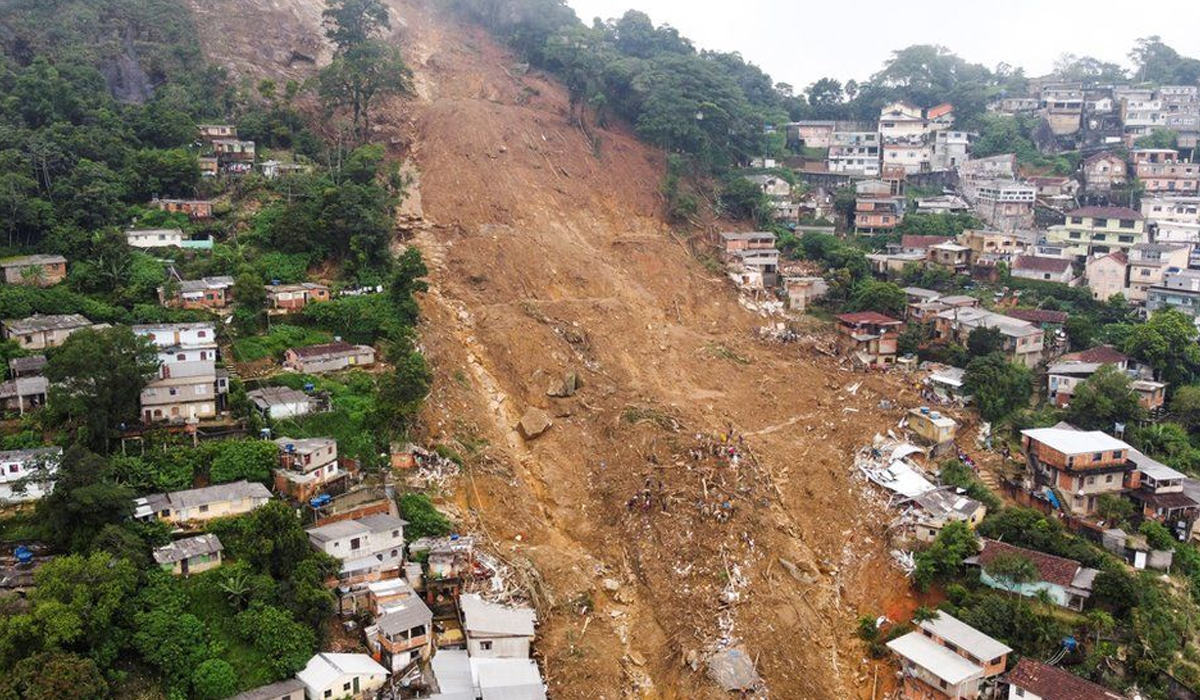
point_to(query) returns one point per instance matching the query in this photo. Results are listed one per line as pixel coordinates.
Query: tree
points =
(81, 604)
(1114, 509)
(985, 341)
(174, 641)
(1011, 570)
(1169, 443)
(883, 297)
(1107, 397)
(1185, 406)
(408, 278)
(742, 199)
(361, 74)
(944, 557)
(96, 380)
(424, 520)
(214, 679)
(54, 675)
(998, 386)
(1167, 342)
(270, 539)
(252, 460)
(83, 501)
(826, 92)
(403, 391)
(350, 23)
(287, 643)
(251, 297)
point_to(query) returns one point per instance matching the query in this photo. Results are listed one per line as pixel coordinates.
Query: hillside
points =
(549, 256)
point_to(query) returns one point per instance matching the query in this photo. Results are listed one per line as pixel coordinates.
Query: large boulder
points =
(534, 423)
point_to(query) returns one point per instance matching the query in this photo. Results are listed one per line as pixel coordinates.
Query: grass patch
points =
(276, 341)
(207, 602)
(722, 352)
(18, 526)
(352, 396)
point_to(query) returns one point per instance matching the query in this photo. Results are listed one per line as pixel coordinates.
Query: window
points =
(1091, 480)
(1019, 691)
(1098, 456)
(204, 508)
(485, 646)
(328, 693)
(1108, 479)
(355, 543)
(1127, 223)
(181, 357)
(345, 686)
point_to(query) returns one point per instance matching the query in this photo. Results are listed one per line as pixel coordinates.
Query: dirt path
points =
(548, 255)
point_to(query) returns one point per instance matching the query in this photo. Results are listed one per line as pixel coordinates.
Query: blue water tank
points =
(24, 554)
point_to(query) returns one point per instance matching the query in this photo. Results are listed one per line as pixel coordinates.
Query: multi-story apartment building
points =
(947, 658)
(1181, 112)
(1098, 230)
(1162, 172)
(855, 153)
(1140, 117)
(188, 385)
(1082, 465)
(1179, 290)
(1148, 266)
(307, 466)
(1006, 205)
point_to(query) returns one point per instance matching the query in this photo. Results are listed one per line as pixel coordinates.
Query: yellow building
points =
(190, 556)
(931, 426)
(1098, 231)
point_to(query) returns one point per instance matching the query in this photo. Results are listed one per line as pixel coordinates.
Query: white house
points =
(155, 238)
(378, 539)
(276, 402)
(18, 470)
(496, 631)
(330, 676)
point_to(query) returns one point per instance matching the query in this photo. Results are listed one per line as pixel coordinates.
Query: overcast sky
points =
(799, 41)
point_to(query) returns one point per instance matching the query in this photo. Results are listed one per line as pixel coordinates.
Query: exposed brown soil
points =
(549, 255)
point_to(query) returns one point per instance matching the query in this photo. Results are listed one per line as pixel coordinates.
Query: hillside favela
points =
(599, 350)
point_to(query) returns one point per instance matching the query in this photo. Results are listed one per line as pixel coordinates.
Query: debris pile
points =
(428, 469)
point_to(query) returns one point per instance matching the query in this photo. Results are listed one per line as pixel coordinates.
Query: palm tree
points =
(236, 587)
(33, 274)
(924, 614)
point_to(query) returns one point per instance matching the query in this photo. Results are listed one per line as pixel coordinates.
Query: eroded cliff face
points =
(644, 544)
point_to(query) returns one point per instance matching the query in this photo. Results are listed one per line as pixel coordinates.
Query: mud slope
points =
(549, 256)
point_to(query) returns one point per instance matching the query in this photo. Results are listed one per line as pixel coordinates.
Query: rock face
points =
(534, 423)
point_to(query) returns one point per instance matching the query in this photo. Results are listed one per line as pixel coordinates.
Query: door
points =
(356, 685)
(183, 567)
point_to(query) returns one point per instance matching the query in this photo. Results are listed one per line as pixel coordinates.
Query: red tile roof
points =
(1103, 354)
(1039, 315)
(1051, 569)
(1107, 213)
(940, 110)
(1051, 683)
(914, 241)
(1034, 262)
(868, 317)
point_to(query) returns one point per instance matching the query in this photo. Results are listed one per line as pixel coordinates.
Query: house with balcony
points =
(307, 466)
(733, 242)
(1067, 582)
(855, 153)
(1141, 116)
(1148, 266)
(1081, 465)
(402, 635)
(1093, 231)
(1161, 171)
(1161, 497)
(210, 132)
(928, 670)
(869, 337)
(947, 658)
(950, 148)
